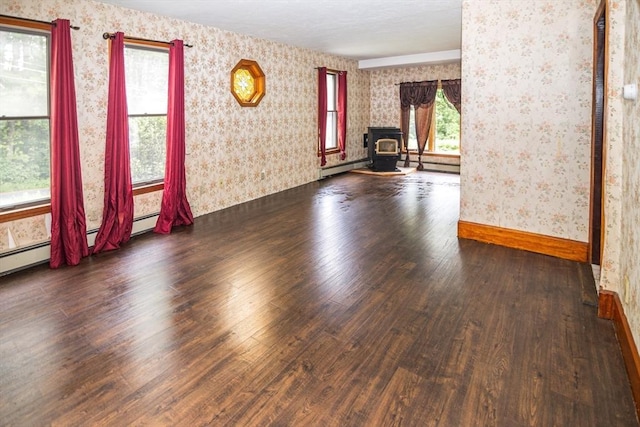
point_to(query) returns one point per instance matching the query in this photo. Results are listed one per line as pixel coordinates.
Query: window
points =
(146, 74)
(332, 111)
(24, 118)
(444, 137)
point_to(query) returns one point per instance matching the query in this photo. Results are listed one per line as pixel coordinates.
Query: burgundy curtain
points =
(342, 114)
(117, 214)
(322, 114)
(451, 89)
(68, 223)
(175, 209)
(422, 96)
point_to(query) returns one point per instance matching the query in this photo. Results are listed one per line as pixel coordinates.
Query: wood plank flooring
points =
(346, 302)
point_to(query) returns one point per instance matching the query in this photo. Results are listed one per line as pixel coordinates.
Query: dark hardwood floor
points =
(346, 302)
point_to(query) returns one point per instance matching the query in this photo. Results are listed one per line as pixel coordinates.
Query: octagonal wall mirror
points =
(247, 83)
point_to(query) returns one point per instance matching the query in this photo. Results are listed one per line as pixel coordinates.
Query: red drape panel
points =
(322, 114)
(175, 209)
(342, 114)
(68, 223)
(117, 214)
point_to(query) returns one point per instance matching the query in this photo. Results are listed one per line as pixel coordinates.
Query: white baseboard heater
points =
(434, 167)
(29, 256)
(327, 171)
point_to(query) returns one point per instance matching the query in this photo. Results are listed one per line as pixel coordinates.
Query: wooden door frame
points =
(601, 13)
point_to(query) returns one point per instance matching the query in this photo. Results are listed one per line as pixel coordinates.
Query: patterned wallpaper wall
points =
(227, 146)
(526, 115)
(610, 274)
(526, 127)
(631, 174)
(385, 95)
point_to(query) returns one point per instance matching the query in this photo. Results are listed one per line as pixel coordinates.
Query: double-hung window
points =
(147, 74)
(332, 111)
(24, 118)
(444, 136)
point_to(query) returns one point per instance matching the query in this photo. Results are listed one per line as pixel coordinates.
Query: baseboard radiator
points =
(327, 171)
(433, 166)
(29, 256)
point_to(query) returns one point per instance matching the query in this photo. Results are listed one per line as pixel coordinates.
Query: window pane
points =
(412, 140)
(147, 75)
(147, 141)
(23, 74)
(24, 161)
(447, 126)
(331, 92)
(332, 133)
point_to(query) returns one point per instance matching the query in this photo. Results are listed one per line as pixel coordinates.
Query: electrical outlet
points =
(263, 175)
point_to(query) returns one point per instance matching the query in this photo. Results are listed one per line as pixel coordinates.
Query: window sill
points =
(149, 188)
(22, 213)
(331, 151)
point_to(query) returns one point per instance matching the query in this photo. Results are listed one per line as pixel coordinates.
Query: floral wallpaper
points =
(385, 96)
(526, 115)
(610, 274)
(526, 126)
(630, 242)
(228, 146)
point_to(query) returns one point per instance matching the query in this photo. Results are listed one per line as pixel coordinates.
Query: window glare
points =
(332, 126)
(146, 74)
(24, 78)
(331, 91)
(147, 145)
(412, 140)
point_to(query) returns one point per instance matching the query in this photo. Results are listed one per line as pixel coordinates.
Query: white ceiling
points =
(357, 29)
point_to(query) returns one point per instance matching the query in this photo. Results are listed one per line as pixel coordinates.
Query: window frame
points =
(334, 112)
(40, 206)
(151, 185)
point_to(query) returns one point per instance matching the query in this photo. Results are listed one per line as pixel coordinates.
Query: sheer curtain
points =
(342, 114)
(68, 223)
(422, 96)
(322, 114)
(117, 214)
(175, 209)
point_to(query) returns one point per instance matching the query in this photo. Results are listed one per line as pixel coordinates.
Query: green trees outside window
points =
(24, 117)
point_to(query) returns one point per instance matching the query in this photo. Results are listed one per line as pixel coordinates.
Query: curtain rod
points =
(107, 36)
(437, 80)
(398, 84)
(35, 21)
(330, 69)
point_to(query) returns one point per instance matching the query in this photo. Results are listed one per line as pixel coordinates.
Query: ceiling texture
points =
(356, 29)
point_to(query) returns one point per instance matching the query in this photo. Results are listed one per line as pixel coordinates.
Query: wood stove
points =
(384, 144)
